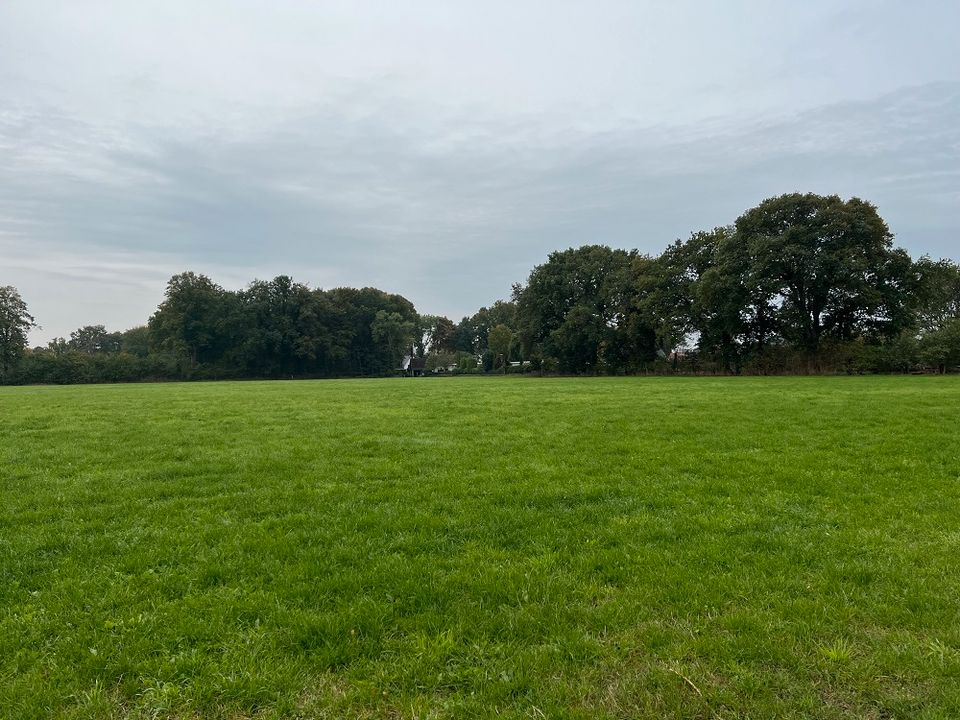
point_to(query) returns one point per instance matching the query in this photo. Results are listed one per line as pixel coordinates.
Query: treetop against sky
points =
(442, 151)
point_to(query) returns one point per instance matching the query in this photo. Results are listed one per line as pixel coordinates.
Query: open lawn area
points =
(482, 547)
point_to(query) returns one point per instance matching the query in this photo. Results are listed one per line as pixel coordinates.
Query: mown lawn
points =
(474, 547)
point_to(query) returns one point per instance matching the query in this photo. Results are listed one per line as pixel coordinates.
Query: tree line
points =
(800, 283)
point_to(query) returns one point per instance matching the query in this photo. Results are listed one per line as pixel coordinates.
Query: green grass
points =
(591, 548)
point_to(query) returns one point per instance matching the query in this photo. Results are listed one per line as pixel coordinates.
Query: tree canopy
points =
(15, 323)
(799, 283)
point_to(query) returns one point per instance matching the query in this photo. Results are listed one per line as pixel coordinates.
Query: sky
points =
(443, 149)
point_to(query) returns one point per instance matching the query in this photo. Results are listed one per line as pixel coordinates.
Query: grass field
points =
(464, 547)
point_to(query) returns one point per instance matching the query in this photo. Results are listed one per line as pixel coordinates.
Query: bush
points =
(940, 349)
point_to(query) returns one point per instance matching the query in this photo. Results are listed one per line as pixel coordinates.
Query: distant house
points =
(443, 369)
(413, 366)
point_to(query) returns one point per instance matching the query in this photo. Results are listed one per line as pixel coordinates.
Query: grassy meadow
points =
(482, 547)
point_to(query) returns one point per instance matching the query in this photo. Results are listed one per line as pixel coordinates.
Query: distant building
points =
(413, 366)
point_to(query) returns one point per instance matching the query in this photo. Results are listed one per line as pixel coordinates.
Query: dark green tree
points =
(665, 290)
(572, 307)
(442, 335)
(362, 353)
(472, 332)
(935, 290)
(940, 348)
(827, 265)
(94, 339)
(15, 323)
(733, 308)
(396, 334)
(500, 341)
(58, 346)
(136, 341)
(193, 320)
(269, 327)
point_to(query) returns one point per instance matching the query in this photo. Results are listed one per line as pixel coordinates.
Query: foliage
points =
(136, 341)
(500, 340)
(359, 352)
(572, 307)
(192, 321)
(935, 289)
(15, 323)
(472, 333)
(940, 348)
(826, 266)
(93, 339)
(801, 283)
(392, 331)
(439, 334)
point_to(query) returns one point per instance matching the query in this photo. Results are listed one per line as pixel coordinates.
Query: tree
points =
(322, 338)
(192, 320)
(357, 309)
(136, 341)
(572, 307)
(277, 330)
(733, 308)
(472, 332)
(15, 323)
(500, 341)
(665, 289)
(58, 346)
(94, 339)
(441, 334)
(465, 336)
(390, 329)
(824, 263)
(936, 292)
(940, 349)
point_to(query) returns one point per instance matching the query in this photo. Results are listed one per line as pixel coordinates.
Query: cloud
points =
(447, 195)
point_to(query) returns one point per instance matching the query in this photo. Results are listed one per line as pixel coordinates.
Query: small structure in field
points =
(413, 366)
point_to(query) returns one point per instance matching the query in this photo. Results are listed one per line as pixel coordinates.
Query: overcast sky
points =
(442, 149)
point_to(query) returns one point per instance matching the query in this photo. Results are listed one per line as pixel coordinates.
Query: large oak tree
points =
(15, 323)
